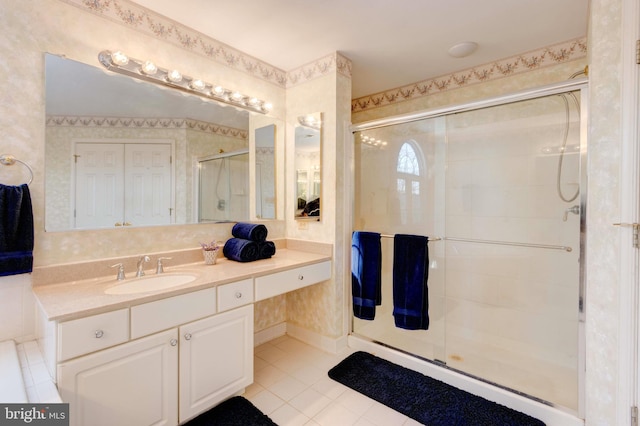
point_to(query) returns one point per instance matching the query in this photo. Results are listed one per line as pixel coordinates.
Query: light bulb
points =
(174, 76)
(119, 58)
(197, 84)
(254, 101)
(149, 68)
(218, 90)
(268, 106)
(237, 96)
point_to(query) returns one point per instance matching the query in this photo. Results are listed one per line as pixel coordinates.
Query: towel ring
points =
(10, 160)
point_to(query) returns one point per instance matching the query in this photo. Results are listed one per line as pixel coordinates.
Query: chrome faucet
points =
(141, 262)
(120, 267)
(159, 266)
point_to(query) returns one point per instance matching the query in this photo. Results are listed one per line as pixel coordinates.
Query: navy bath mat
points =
(429, 401)
(236, 411)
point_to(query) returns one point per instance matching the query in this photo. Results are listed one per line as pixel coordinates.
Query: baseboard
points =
(269, 333)
(327, 344)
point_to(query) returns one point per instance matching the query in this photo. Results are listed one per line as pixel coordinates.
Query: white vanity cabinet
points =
(135, 383)
(164, 378)
(216, 360)
(165, 360)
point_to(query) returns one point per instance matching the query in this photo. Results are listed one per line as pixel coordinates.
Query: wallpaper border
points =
(539, 58)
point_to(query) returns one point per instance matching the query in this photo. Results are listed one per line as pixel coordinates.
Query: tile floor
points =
(292, 387)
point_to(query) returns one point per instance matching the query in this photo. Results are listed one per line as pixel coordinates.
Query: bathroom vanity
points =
(162, 357)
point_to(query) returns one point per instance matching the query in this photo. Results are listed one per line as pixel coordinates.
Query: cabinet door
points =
(132, 384)
(216, 360)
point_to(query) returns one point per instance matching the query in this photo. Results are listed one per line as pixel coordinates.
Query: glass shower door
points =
(499, 191)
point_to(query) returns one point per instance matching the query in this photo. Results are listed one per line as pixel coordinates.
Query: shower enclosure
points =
(499, 187)
(223, 187)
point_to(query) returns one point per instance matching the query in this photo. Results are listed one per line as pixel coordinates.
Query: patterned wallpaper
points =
(144, 20)
(146, 123)
(547, 56)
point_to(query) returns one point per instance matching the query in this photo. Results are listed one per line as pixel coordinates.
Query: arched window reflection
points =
(408, 183)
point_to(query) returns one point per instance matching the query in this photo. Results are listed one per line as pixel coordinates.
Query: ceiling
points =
(391, 43)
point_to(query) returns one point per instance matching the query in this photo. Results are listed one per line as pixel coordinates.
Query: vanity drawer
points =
(293, 279)
(235, 294)
(85, 335)
(171, 312)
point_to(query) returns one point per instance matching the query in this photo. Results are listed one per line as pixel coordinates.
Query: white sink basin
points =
(151, 283)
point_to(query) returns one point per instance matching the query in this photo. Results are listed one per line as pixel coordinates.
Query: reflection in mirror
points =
(224, 187)
(265, 172)
(308, 167)
(121, 152)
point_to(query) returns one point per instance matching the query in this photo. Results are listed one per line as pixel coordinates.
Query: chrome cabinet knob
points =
(238, 295)
(187, 336)
(173, 342)
(301, 277)
(99, 334)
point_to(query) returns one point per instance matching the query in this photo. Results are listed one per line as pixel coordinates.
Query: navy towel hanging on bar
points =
(410, 273)
(366, 273)
(16, 230)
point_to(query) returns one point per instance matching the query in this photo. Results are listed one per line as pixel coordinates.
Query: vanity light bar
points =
(148, 71)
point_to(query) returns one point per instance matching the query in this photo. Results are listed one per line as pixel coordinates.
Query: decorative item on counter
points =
(210, 252)
(249, 243)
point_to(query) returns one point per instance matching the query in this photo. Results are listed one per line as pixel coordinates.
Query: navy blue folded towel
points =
(250, 231)
(266, 249)
(410, 273)
(241, 250)
(16, 230)
(366, 273)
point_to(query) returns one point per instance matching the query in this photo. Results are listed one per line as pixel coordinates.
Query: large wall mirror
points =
(308, 166)
(124, 152)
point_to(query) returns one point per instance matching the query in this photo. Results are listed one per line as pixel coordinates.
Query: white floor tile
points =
(266, 402)
(310, 402)
(288, 416)
(293, 388)
(287, 388)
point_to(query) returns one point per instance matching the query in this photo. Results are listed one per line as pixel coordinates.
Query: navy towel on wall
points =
(16, 230)
(366, 273)
(410, 273)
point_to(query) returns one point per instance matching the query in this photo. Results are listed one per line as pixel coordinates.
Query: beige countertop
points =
(68, 300)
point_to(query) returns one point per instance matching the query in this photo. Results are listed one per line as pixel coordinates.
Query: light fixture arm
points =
(148, 71)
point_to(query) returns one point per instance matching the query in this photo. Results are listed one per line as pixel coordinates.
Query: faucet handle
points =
(120, 267)
(159, 267)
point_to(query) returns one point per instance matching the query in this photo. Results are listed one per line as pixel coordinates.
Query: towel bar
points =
(10, 160)
(504, 243)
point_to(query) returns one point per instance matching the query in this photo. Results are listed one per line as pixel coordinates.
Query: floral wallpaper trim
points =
(151, 23)
(562, 52)
(146, 123)
(334, 62)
